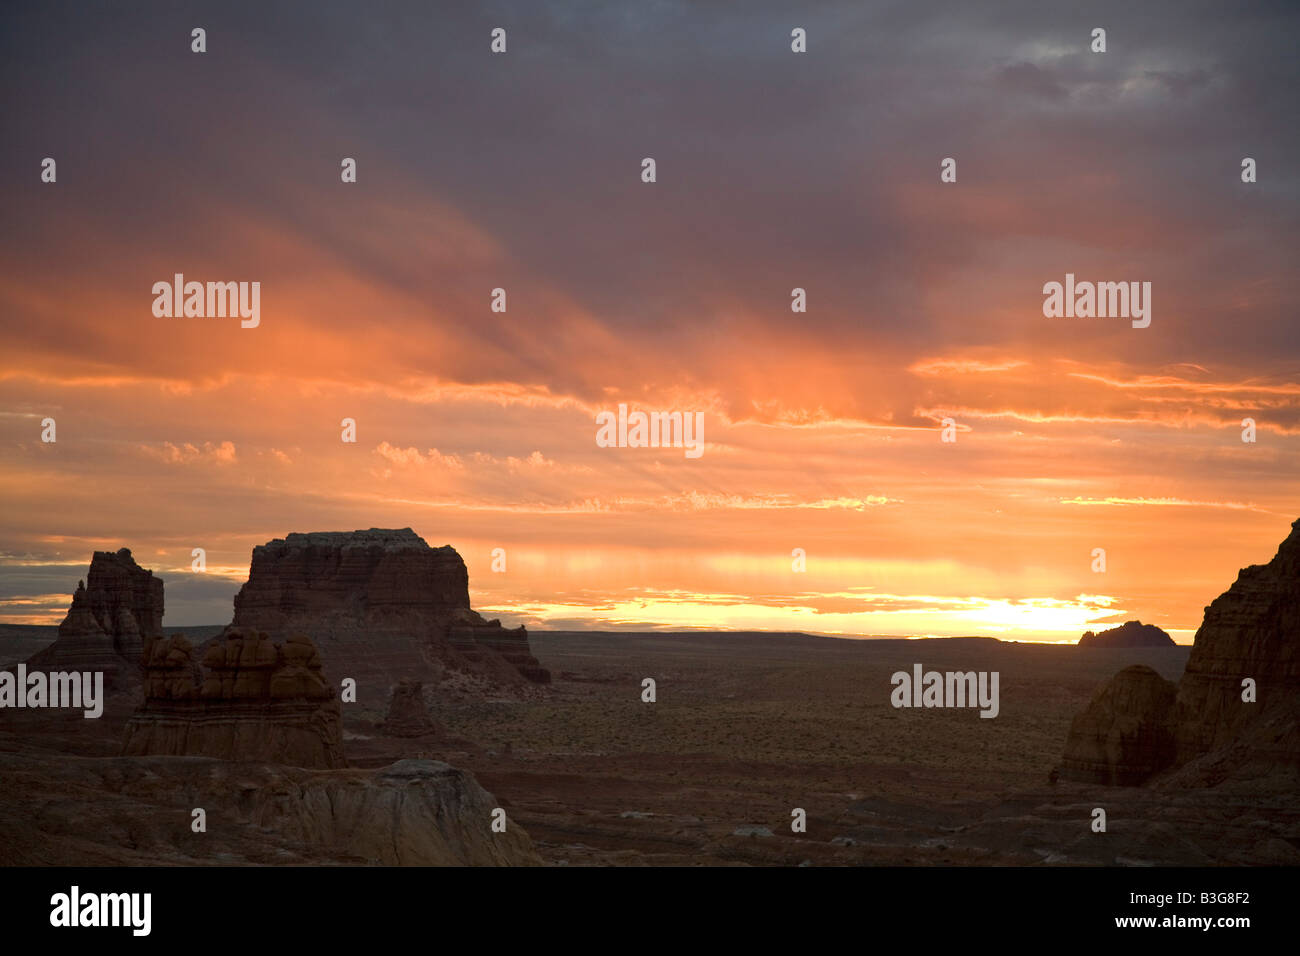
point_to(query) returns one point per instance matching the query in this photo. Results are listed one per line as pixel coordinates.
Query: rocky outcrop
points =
(1124, 735)
(136, 811)
(1251, 631)
(408, 715)
(114, 612)
(381, 606)
(343, 572)
(476, 641)
(1236, 711)
(1128, 634)
(410, 813)
(251, 700)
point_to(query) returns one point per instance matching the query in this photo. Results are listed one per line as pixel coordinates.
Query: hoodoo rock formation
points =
(251, 700)
(1128, 634)
(1236, 711)
(408, 716)
(114, 612)
(382, 606)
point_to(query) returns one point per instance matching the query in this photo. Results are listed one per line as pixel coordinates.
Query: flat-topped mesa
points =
(113, 613)
(349, 572)
(1128, 634)
(381, 606)
(1235, 714)
(250, 700)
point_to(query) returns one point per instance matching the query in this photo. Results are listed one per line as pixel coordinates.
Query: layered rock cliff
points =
(252, 700)
(1250, 631)
(382, 606)
(1236, 712)
(343, 573)
(113, 613)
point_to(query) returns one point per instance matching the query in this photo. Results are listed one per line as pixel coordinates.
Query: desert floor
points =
(745, 729)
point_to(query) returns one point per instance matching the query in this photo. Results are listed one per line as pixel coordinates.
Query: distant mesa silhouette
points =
(1128, 634)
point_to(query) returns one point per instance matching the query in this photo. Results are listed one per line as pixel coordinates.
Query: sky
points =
(774, 170)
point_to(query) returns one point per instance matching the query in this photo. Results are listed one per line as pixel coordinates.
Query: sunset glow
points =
(821, 429)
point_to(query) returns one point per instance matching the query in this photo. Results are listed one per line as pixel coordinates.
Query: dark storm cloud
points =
(32, 581)
(775, 170)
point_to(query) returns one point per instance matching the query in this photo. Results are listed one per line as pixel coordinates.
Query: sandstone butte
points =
(381, 606)
(255, 718)
(384, 607)
(114, 612)
(1140, 728)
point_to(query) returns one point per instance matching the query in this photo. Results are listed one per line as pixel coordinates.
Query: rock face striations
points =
(382, 606)
(252, 700)
(1128, 634)
(114, 612)
(410, 813)
(1251, 631)
(480, 644)
(339, 574)
(1235, 714)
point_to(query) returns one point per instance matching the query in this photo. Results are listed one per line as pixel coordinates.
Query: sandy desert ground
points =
(748, 727)
(745, 728)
